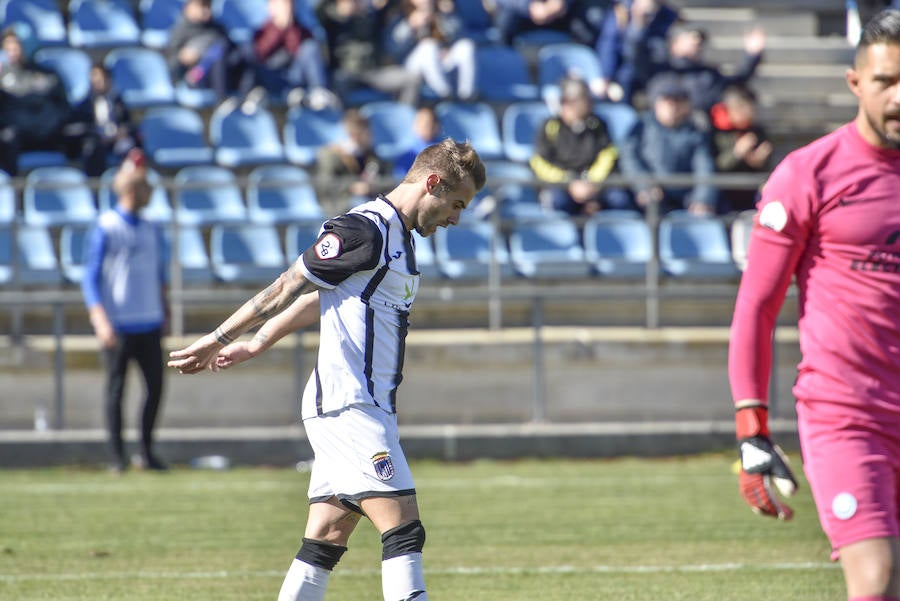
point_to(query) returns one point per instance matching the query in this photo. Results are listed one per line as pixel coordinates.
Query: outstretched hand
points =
(196, 357)
(231, 355)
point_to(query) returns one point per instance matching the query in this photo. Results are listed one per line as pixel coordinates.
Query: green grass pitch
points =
(623, 530)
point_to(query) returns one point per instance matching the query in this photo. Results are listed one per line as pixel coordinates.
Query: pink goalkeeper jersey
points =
(830, 216)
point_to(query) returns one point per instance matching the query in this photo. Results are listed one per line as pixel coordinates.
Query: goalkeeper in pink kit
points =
(829, 218)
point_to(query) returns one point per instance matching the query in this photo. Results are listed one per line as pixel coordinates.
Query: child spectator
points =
(740, 143)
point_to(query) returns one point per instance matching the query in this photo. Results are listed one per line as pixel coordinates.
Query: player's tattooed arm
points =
(267, 303)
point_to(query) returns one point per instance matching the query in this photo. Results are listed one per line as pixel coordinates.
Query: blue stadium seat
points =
(619, 119)
(36, 262)
(102, 24)
(694, 247)
(306, 130)
(618, 243)
(207, 195)
(141, 76)
(7, 199)
(246, 253)
(392, 127)
(157, 19)
(464, 252)
(502, 75)
(548, 248)
(508, 190)
(426, 262)
(539, 38)
(240, 18)
(6, 254)
(298, 237)
(43, 17)
(241, 139)
(158, 210)
(73, 67)
(282, 194)
(556, 61)
(195, 98)
(520, 125)
(174, 137)
(56, 196)
(472, 121)
(72, 251)
(193, 259)
(33, 159)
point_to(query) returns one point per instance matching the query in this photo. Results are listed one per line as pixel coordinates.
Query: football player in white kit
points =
(360, 280)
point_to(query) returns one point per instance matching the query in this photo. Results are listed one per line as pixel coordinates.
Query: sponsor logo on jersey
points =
(328, 247)
(384, 467)
(773, 216)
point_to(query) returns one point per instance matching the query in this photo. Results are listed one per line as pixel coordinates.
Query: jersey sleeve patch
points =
(347, 244)
(328, 246)
(773, 216)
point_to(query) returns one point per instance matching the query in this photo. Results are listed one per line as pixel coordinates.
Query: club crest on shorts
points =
(384, 467)
(328, 247)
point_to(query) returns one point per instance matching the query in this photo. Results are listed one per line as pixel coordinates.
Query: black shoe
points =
(152, 463)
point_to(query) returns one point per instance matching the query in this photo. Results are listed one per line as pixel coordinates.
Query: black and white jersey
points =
(364, 261)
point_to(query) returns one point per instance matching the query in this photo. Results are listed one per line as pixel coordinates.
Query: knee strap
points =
(403, 540)
(320, 554)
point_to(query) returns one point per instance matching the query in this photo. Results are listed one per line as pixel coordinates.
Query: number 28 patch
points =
(384, 467)
(328, 247)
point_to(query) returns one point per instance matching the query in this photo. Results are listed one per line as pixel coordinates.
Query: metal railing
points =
(494, 291)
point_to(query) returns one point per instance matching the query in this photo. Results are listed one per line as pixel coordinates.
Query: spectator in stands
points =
(574, 152)
(289, 60)
(110, 132)
(665, 141)
(356, 59)
(351, 169)
(34, 110)
(704, 81)
(427, 131)
(740, 143)
(200, 53)
(426, 36)
(124, 292)
(632, 47)
(515, 17)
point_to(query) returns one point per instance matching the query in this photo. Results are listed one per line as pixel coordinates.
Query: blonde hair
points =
(453, 161)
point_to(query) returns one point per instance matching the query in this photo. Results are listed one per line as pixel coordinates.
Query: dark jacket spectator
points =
(34, 110)
(704, 81)
(200, 53)
(513, 18)
(740, 143)
(664, 142)
(632, 47)
(574, 150)
(356, 58)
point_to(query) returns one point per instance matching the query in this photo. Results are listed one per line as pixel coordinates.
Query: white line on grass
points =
(457, 571)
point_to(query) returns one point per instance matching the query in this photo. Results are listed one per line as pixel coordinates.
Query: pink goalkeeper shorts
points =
(853, 468)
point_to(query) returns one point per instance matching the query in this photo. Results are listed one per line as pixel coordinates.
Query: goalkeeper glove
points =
(762, 463)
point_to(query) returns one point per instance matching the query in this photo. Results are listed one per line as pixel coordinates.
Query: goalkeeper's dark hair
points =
(883, 28)
(453, 161)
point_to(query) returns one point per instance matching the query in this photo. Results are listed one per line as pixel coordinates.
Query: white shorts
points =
(357, 456)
